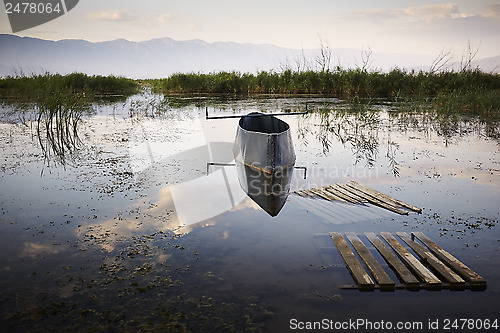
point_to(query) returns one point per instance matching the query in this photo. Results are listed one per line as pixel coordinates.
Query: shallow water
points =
(132, 232)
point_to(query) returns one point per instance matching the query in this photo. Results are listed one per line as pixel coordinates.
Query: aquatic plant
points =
(58, 118)
(37, 87)
(340, 83)
(56, 104)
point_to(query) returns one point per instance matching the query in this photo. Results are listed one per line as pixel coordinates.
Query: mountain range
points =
(158, 58)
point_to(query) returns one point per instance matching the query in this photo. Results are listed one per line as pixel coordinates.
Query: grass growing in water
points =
(467, 90)
(37, 87)
(58, 103)
(59, 116)
(339, 82)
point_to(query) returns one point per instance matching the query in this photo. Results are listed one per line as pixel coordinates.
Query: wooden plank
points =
(360, 276)
(339, 193)
(322, 194)
(309, 193)
(455, 264)
(305, 193)
(443, 286)
(423, 273)
(339, 188)
(373, 266)
(330, 194)
(346, 189)
(376, 201)
(441, 269)
(382, 196)
(397, 266)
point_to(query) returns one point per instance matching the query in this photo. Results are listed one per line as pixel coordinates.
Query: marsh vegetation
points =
(54, 105)
(41, 87)
(91, 248)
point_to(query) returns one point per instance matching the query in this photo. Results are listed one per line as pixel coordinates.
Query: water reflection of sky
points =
(137, 176)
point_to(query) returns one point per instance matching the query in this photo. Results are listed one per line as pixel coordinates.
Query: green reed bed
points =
(38, 86)
(337, 82)
(56, 104)
(467, 90)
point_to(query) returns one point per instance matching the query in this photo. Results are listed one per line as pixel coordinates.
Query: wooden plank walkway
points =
(374, 267)
(436, 269)
(361, 277)
(402, 272)
(355, 193)
(464, 271)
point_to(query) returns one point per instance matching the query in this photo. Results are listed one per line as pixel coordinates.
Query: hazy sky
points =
(403, 26)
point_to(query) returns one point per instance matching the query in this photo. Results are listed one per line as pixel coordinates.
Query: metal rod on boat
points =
(218, 164)
(254, 115)
(303, 168)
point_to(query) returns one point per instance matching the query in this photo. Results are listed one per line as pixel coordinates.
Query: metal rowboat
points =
(265, 159)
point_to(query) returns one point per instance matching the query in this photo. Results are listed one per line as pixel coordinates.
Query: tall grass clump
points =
(58, 103)
(58, 119)
(467, 91)
(339, 82)
(36, 87)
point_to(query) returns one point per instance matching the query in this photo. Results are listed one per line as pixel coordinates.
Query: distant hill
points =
(162, 57)
(490, 65)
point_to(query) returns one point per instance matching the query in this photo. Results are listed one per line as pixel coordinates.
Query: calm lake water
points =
(134, 231)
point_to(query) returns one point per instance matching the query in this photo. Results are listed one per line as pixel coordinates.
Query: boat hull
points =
(265, 159)
(264, 142)
(268, 190)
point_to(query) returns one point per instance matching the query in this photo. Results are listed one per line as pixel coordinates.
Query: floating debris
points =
(356, 193)
(436, 269)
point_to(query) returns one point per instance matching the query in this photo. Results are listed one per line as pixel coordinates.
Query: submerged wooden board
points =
(324, 193)
(345, 189)
(326, 196)
(376, 201)
(441, 269)
(360, 276)
(340, 194)
(356, 193)
(442, 286)
(381, 196)
(418, 269)
(374, 267)
(397, 266)
(460, 268)
(412, 273)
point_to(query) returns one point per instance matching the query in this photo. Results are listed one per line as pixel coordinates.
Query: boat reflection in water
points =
(265, 159)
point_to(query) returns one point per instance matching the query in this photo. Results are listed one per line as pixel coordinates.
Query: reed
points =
(464, 89)
(58, 117)
(36, 87)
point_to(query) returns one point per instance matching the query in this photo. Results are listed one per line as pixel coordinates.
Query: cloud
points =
(493, 10)
(34, 250)
(433, 12)
(426, 13)
(165, 18)
(374, 14)
(111, 15)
